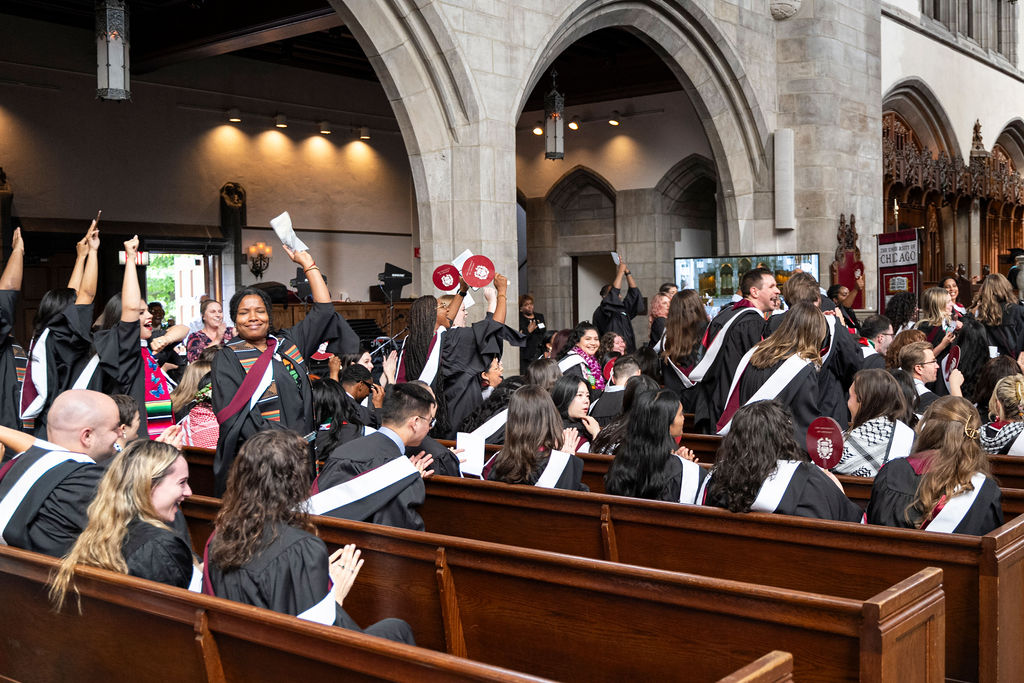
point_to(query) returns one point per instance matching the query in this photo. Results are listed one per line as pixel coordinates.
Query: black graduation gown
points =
(615, 313)
(365, 415)
(295, 397)
(369, 452)
(577, 371)
(67, 351)
(11, 356)
(713, 390)
(608, 407)
(121, 368)
(51, 516)
(534, 347)
(895, 488)
(157, 554)
(811, 493)
(445, 463)
(674, 470)
(801, 395)
(465, 353)
(872, 361)
(933, 336)
(836, 377)
(1008, 337)
(571, 478)
(289, 575)
(657, 330)
(671, 381)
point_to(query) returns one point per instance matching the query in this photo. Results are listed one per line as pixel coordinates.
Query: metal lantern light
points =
(112, 68)
(554, 122)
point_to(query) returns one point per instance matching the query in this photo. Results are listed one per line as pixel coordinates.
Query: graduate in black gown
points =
(490, 417)
(127, 357)
(731, 333)
(260, 380)
(263, 551)
(940, 328)
(841, 354)
(536, 451)
(608, 406)
(12, 356)
(49, 504)
(333, 415)
(131, 519)
(680, 349)
(450, 357)
(61, 338)
(650, 464)
(391, 499)
(784, 367)
(944, 485)
(761, 468)
(1001, 315)
(615, 313)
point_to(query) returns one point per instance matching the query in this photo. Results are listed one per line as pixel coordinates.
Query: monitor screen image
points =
(717, 278)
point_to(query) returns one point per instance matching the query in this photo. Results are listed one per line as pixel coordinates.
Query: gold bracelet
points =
(312, 267)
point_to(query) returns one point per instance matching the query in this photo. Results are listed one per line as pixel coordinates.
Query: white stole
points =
(430, 368)
(361, 487)
(697, 374)
(53, 457)
(37, 364)
(557, 463)
(956, 508)
(772, 387)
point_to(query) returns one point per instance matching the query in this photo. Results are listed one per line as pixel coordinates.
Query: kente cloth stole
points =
(159, 414)
(269, 404)
(20, 366)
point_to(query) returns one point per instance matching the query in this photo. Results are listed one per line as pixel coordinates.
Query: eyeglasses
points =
(431, 420)
(929, 362)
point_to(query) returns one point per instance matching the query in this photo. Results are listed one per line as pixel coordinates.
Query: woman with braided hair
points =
(944, 485)
(1002, 435)
(449, 356)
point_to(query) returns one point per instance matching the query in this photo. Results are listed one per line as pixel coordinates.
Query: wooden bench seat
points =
(576, 618)
(136, 630)
(774, 667)
(983, 576)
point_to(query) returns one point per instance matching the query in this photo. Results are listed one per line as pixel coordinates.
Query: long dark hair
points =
(575, 336)
(972, 338)
(51, 305)
(685, 326)
(906, 382)
(610, 438)
(268, 481)
(879, 395)
(760, 436)
(993, 371)
(533, 424)
(639, 467)
(422, 323)
(543, 372)
(495, 403)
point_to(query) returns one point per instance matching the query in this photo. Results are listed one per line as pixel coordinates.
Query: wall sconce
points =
(112, 71)
(280, 121)
(554, 120)
(575, 123)
(538, 128)
(615, 119)
(234, 115)
(364, 133)
(325, 128)
(259, 259)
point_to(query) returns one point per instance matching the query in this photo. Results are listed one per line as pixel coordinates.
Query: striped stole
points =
(268, 404)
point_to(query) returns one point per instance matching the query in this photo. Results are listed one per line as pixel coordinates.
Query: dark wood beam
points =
(227, 27)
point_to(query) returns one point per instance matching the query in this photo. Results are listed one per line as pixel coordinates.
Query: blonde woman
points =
(1002, 435)
(783, 367)
(943, 486)
(184, 394)
(129, 521)
(997, 309)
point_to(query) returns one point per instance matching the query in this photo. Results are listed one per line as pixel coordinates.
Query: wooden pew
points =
(774, 667)
(142, 631)
(983, 576)
(583, 619)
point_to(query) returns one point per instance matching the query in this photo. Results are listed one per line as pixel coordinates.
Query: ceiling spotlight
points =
(364, 133)
(325, 128)
(538, 128)
(574, 124)
(614, 119)
(280, 121)
(234, 116)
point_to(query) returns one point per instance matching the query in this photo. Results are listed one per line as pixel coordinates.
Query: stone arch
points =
(1011, 139)
(435, 102)
(688, 41)
(915, 102)
(689, 192)
(573, 181)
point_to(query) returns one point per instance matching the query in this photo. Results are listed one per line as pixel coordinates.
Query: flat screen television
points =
(717, 278)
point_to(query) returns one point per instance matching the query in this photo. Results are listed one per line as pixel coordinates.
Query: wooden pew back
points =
(983, 577)
(132, 629)
(569, 617)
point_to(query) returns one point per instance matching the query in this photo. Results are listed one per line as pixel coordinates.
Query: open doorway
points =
(590, 272)
(177, 281)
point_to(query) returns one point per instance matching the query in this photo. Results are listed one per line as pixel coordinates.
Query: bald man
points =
(46, 489)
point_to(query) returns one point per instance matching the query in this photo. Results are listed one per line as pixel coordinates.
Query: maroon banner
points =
(898, 257)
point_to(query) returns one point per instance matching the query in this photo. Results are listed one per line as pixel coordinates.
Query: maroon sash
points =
(249, 384)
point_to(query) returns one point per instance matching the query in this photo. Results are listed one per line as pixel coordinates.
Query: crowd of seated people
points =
(93, 421)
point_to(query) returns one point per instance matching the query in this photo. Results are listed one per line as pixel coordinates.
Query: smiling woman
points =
(128, 529)
(260, 379)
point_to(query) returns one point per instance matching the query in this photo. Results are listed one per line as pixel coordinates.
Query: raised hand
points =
(131, 248)
(17, 244)
(421, 461)
(344, 566)
(301, 257)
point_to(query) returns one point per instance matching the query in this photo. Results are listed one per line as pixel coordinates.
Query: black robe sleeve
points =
(120, 352)
(615, 312)
(321, 323)
(713, 391)
(157, 554)
(813, 494)
(657, 330)
(68, 346)
(445, 464)
(65, 512)
(892, 495)
(10, 387)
